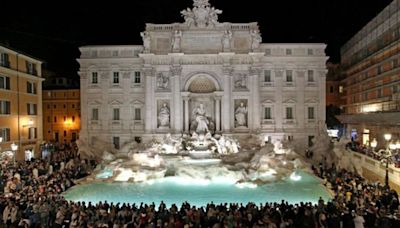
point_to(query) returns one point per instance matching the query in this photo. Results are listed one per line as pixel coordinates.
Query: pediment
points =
(136, 102)
(268, 101)
(115, 102)
(95, 102)
(311, 100)
(289, 101)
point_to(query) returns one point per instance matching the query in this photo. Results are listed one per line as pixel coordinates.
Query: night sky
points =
(53, 31)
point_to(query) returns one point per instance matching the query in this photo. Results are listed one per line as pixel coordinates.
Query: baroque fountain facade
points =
(201, 99)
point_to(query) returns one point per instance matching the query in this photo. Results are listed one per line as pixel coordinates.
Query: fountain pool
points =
(304, 187)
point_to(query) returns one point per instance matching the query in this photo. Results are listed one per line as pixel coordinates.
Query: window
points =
(116, 114)
(31, 68)
(54, 106)
(311, 115)
(4, 60)
(138, 114)
(340, 89)
(379, 69)
(289, 113)
(310, 75)
(73, 105)
(310, 51)
(4, 82)
(73, 118)
(65, 118)
(94, 78)
(55, 119)
(5, 108)
(379, 93)
(137, 77)
(365, 96)
(116, 142)
(65, 133)
(289, 76)
(395, 89)
(5, 134)
(64, 106)
(267, 76)
(267, 113)
(48, 119)
(95, 114)
(290, 137)
(288, 51)
(116, 78)
(32, 133)
(31, 108)
(395, 63)
(331, 89)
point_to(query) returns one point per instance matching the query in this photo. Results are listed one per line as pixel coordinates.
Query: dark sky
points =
(53, 31)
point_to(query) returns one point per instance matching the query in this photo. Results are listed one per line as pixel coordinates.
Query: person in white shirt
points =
(359, 220)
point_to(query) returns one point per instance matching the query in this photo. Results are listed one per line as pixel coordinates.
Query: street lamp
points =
(14, 148)
(385, 155)
(1, 140)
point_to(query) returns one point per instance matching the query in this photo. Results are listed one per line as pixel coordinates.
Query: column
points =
(255, 87)
(301, 108)
(186, 114)
(226, 102)
(148, 73)
(217, 114)
(279, 111)
(176, 124)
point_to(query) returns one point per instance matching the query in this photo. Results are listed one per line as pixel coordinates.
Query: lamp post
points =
(14, 148)
(1, 140)
(386, 155)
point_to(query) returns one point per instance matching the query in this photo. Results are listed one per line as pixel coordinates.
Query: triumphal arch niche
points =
(202, 102)
(203, 72)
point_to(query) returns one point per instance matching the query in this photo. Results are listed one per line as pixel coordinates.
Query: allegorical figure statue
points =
(255, 40)
(226, 40)
(163, 116)
(176, 42)
(146, 41)
(240, 115)
(199, 114)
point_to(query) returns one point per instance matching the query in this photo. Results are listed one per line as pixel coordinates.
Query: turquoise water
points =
(176, 190)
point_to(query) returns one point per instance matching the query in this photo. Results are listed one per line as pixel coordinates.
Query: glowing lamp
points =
(374, 143)
(387, 137)
(14, 147)
(392, 146)
(397, 144)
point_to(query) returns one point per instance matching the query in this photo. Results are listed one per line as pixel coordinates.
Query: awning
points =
(381, 118)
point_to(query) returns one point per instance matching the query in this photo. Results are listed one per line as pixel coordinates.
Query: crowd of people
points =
(32, 198)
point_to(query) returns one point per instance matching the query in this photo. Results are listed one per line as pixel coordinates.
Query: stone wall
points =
(374, 170)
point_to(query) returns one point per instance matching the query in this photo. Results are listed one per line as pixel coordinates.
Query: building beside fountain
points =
(201, 77)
